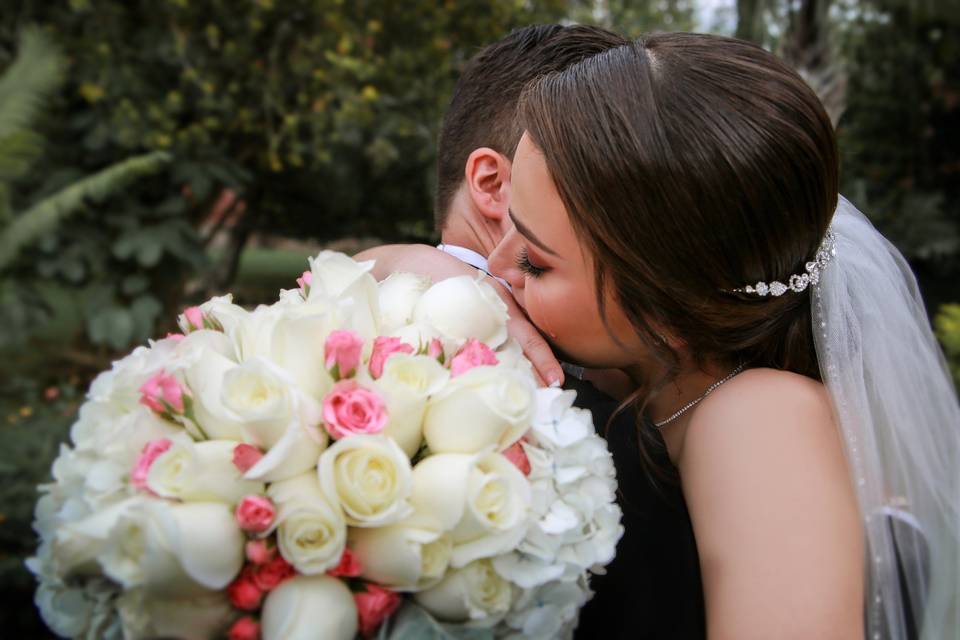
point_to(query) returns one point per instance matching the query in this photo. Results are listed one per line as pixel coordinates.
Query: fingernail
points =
(554, 381)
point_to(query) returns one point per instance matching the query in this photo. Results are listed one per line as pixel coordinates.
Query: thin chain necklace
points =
(693, 403)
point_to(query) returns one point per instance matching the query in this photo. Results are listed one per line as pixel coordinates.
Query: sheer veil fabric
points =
(898, 411)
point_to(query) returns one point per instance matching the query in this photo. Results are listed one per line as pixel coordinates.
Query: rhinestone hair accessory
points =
(798, 282)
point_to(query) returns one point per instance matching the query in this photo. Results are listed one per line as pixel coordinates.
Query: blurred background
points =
(153, 154)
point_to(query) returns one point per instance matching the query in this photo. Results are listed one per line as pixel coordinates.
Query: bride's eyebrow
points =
(526, 233)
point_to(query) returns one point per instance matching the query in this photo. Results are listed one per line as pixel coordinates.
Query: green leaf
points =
(35, 74)
(48, 213)
(134, 284)
(145, 311)
(113, 327)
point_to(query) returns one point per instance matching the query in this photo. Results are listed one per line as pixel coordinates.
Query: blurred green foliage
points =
(947, 324)
(900, 134)
(24, 87)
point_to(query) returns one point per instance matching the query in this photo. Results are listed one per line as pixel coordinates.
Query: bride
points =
(677, 216)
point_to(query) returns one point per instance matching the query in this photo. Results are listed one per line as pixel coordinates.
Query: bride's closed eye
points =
(527, 267)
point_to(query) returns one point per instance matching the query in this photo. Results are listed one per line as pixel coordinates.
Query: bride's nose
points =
(503, 263)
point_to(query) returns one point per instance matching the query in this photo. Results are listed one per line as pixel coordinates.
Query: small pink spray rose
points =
(246, 628)
(259, 551)
(151, 451)
(243, 591)
(350, 409)
(342, 350)
(374, 605)
(163, 393)
(518, 457)
(304, 282)
(255, 514)
(245, 456)
(473, 354)
(194, 318)
(349, 566)
(270, 574)
(383, 348)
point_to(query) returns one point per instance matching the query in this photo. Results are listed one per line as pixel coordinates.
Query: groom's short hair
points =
(482, 110)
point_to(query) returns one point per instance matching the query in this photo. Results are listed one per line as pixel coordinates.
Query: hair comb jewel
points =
(798, 282)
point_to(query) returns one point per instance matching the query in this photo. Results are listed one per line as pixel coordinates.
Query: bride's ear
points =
(487, 175)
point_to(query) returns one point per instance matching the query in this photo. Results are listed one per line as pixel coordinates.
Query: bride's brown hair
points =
(691, 165)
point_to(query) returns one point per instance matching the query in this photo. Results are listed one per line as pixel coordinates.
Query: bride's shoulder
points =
(759, 411)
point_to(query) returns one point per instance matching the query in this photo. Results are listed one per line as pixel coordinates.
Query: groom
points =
(478, 137)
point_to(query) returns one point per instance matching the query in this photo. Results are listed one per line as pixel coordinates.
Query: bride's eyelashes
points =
(527, 267)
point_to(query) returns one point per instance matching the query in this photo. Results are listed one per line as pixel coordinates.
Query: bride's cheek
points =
(538, 308)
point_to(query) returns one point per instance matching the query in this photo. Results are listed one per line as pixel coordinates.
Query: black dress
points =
(652, 589)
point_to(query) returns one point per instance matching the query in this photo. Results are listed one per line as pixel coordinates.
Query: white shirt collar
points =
(472, 258)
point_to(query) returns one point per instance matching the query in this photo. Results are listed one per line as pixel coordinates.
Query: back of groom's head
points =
(482, 111)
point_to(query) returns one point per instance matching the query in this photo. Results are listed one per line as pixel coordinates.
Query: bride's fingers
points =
(535, 348)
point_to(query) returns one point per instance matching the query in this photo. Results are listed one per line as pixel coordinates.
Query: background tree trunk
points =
(807, 46)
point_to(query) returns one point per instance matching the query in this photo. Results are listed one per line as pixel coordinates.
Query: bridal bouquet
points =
(354, 459)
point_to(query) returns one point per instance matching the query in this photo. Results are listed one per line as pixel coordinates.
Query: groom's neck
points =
(465, 227)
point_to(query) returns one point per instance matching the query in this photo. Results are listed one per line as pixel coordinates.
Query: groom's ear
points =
(487, 175)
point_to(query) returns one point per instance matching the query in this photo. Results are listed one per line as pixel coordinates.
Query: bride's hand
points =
(429, 261)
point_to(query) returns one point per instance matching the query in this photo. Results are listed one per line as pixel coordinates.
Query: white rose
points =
(199, 472)
(483, 500)
(311, 533)
(174, 549)
(464, 307)
(197, 617)
(216, 355)
(474, 593)
(402, 557)
(369, 477)
(309, 607)
(337, 276)
(222, 309)
(484, 406)
(274, 415)
(406, 384)
(399, 294)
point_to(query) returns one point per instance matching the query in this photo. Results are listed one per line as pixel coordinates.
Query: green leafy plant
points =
(947, 324)
(26, 84)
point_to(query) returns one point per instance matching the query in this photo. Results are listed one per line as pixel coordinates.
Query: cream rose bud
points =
(202, 471)
(174, 549)
(311, 533)
(482, 499)
(472, 593)
(399, 294)
(406, 384)
(337, 276)
(369, 477)
(464, 307)
(486, 406)
(401, 557)
(307, 608)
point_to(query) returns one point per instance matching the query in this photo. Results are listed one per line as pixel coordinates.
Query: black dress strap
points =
(653, 588)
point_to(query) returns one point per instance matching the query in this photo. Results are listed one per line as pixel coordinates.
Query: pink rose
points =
(383, 348)
(435, 350)
(305, 281)
(163, 394)
(473, 354)
(268, 576)
(342, 350)
(374, 605)
(245, 456)
(349, 566)
(350, 409)
(255, 514)
(243, 592)
(151, 451)
(259, 551)
(194, 318)
(515, 454)
(246, 628)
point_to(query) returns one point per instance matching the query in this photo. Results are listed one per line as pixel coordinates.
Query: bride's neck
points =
(675, 394)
